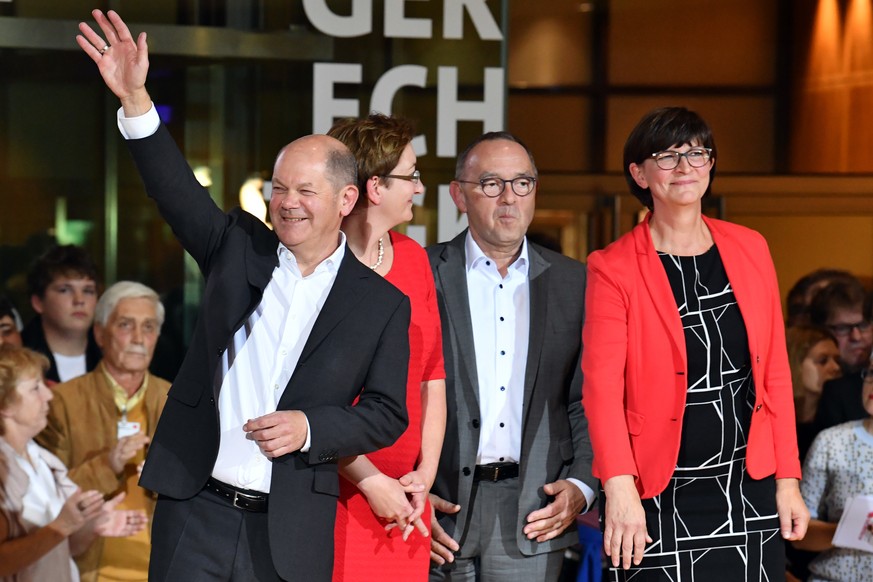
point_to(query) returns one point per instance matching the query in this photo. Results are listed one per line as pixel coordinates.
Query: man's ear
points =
(36, 303)
(98, 334)
(458, 196)
(349, 196)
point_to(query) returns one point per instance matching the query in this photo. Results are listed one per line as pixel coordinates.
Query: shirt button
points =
(275, 386)
(501, 425)
(503, 388)
(488, 263)
(501, 318)
(502, 353)
(501, 285)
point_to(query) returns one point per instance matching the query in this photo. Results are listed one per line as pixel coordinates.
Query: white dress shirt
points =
(500, 314)
(258, 364)
(264, 352)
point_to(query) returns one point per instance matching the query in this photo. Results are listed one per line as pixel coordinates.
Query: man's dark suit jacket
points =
(555, 443)
(358, 346)
(840, 402)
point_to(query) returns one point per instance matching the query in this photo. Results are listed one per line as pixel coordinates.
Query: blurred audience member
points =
(10, 323)
(839, 466)
(801, 294)
(842, 307)
(814, 359)
(44, 517)
(62, 285)
(100, 423)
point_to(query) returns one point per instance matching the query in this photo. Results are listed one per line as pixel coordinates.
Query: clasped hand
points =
(401, 501)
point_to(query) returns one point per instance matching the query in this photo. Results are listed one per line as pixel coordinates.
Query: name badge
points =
(126, 429)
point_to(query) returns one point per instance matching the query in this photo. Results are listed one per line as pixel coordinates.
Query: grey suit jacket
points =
(555, 443)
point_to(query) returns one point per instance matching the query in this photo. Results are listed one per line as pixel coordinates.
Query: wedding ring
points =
(105, 48)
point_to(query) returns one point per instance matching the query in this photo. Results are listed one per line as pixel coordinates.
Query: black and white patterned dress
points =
(713, 522)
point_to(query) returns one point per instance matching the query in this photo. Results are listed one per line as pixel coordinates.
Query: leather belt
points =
(254, 501)
(495, 472)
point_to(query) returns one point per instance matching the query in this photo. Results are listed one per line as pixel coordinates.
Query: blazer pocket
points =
(325, 480)
(635, 422)
(186, 391)
(565, 448)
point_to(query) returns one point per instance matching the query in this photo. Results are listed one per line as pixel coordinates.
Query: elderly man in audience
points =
(100, 423)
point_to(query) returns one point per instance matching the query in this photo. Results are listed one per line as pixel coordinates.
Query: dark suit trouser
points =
(205, 539)
(489, 551)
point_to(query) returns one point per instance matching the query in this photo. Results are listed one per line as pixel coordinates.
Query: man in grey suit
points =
(515, 469)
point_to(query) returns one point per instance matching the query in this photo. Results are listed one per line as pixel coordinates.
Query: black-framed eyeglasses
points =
(414, 177)
(669, 159)
(494, 187)
(846, 329)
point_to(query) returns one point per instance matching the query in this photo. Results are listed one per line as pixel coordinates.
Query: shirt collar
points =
(331, 263)
(475, 256)
(122, 401)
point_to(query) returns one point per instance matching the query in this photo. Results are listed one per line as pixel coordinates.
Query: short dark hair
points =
(799, 298)
(341, 167)
(842, 294)
(491, 136)
(661, 129)
(58, 261)
(377, 142)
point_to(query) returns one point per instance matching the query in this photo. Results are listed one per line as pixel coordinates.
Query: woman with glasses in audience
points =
(839, 466)
(687, 386)
(44, 517)
(380, 533)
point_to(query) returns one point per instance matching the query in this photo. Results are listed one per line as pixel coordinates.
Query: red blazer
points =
(634, 360)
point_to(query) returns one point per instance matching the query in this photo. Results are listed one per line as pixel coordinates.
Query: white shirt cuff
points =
(586, 491)
(140, 126)
(308, 443)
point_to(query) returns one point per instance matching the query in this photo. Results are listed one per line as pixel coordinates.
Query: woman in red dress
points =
(379, 532)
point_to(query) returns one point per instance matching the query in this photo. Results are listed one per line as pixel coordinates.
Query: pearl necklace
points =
(379, 258)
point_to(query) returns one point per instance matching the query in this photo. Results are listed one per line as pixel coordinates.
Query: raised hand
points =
(124, 450)
(119, 523)
(123, 62)
(80, 508)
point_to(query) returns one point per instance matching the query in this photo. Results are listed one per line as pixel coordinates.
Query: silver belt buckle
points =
(236, 496)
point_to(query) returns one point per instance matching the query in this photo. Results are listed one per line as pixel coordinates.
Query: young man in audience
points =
(62, 284)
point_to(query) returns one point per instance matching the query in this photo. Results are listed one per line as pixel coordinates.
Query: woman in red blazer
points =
(687, 386)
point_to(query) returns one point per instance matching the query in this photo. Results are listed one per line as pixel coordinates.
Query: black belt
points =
(240, 498)
(495, 472)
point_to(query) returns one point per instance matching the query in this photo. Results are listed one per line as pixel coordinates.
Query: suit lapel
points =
(452, 276)
(657, 284)
(538, 281)
(344, 296)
